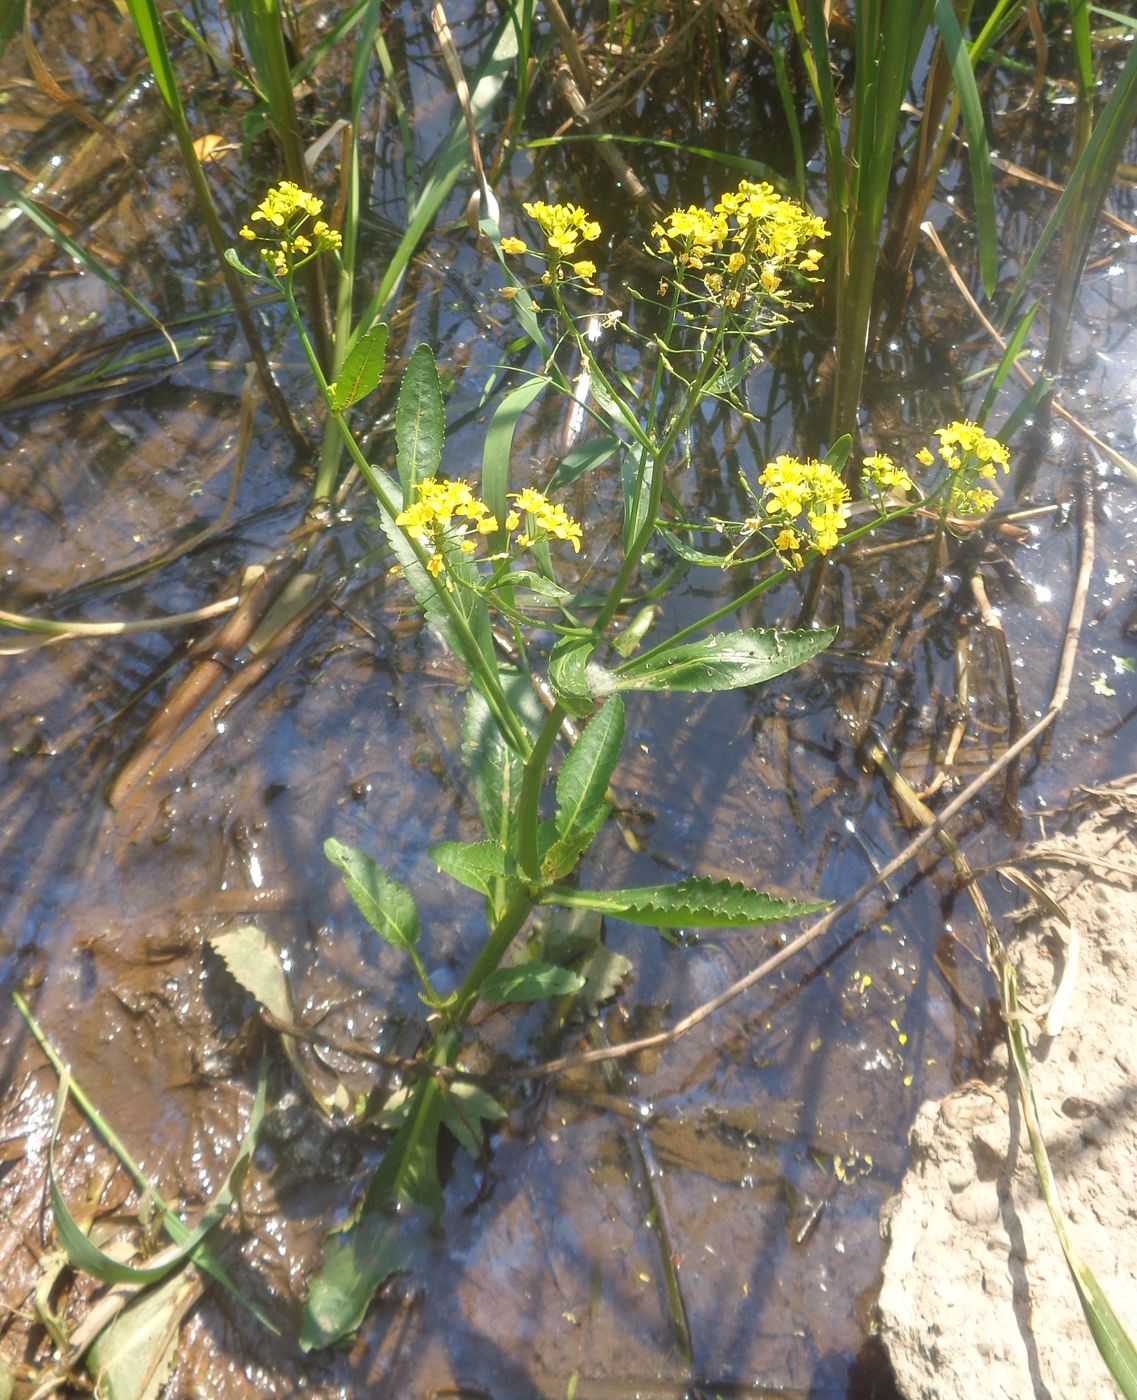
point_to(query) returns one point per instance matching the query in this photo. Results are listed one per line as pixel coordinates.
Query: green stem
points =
(507, 721)
(505, 931)
(528, 814)
(717, 614)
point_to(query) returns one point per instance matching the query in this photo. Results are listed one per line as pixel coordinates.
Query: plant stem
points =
(513, 731)
(528, 814)
(505, 931)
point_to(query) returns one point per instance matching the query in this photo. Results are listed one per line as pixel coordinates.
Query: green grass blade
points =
(450, 162)
(47, 225)
(498, 447)
(1112, 1339)
(1091, 177)
(1006, 363)
(978, 152)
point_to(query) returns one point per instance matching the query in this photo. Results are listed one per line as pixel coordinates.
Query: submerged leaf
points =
(356, 1262)
(133, 1357)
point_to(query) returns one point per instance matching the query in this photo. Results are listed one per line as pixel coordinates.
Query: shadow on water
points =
(779, 1127)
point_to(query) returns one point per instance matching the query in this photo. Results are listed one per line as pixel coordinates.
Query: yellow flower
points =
(925, 457)
(287, 209)
(809, 491)
(440, 513)
(564, 226)
(514, 246)
(543, 516)
(882, 474)
(585, 269)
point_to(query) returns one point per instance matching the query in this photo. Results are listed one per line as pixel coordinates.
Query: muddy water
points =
(764, 1142)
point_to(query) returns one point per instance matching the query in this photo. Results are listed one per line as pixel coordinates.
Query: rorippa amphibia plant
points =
(542, 736)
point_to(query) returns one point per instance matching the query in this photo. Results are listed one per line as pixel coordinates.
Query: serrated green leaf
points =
(588, 767)
(478, 866)
(388, 906)
(722, 662)
(529, 981)
(697, 902)
(355, 1263)
(362, 370)
(420, 421)
(603, 971)
(253, 961)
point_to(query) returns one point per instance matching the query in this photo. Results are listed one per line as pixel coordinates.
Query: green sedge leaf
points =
(388, 906)
(498, 449)
(584, 457)
(697, 902)
(86, 1255)
(362, 370)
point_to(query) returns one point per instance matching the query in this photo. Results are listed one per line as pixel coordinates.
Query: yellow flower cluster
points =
(882, 475)
(295, 230)
(565, 226)
(960, 442)
(745, 245)
(971, 456)
(445, 510)
(543, 517)
(799, 497)
(448, 511)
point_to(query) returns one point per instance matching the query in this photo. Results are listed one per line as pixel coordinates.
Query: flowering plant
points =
(480, 555)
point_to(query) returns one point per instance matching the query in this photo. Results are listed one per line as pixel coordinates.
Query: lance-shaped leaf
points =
(723, 662)
(529, 982)
(479, 866)
(587, 771)
(420, 421)
(693, 903)
(497, 450)
(362, 370)
(561, 854)
(387, 905)
(356, 1262)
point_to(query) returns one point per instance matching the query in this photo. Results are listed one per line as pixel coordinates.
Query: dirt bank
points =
(977, 1299)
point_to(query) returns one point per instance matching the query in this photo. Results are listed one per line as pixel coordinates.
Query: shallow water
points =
(768, 1138)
